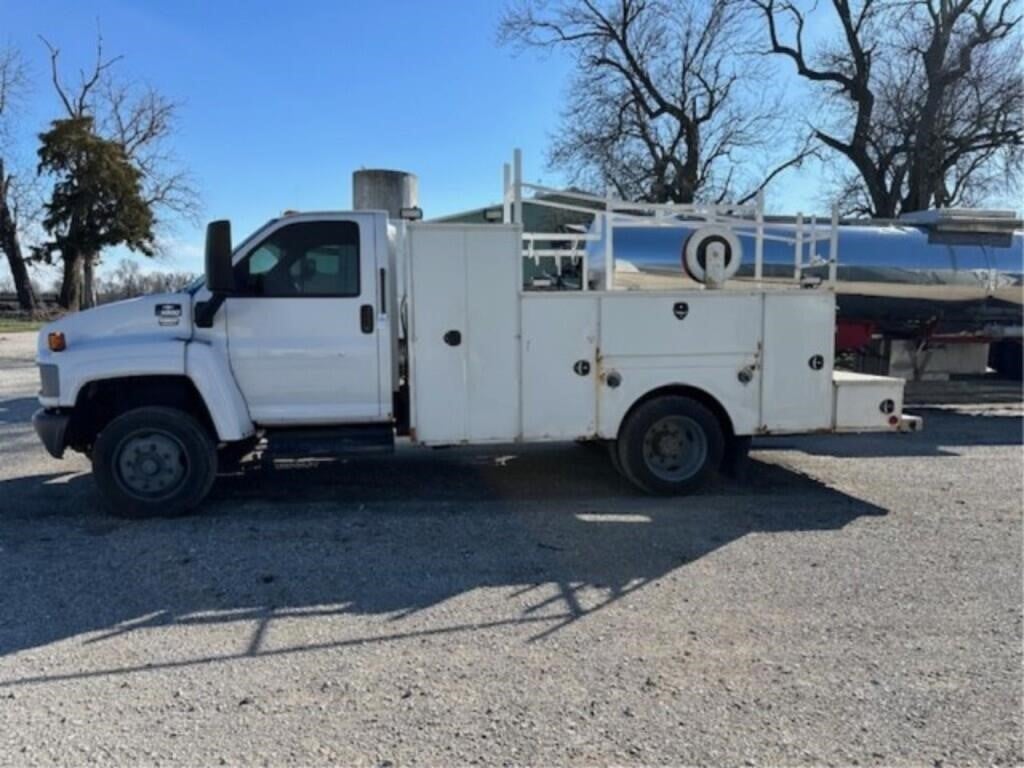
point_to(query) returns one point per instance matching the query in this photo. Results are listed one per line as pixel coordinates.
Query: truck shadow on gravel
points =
(17, 410)
(945, 432)
(552, 529)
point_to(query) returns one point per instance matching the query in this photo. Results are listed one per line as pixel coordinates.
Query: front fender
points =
(98, 359)
(207, 368)
(206, 364)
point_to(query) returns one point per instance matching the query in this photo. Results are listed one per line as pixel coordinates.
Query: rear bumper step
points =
(866, 403)
(910, 423)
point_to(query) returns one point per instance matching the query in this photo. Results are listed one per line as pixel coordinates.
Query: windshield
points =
(194, 285)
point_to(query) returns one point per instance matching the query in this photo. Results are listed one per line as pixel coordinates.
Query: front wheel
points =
(671, 445)
(154, 461)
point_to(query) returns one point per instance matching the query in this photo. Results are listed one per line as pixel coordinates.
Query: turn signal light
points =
(56, 341)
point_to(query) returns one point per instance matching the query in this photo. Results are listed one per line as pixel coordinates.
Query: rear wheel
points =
(671, 445)
(154, 461)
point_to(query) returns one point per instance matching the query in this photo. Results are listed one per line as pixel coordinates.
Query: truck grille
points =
(49, 377)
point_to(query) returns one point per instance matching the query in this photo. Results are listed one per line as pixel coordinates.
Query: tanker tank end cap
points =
(413, 213)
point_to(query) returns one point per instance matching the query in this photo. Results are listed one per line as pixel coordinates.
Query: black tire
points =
(154, 462)
(1007, 358)
(612, 446)
(695, 440)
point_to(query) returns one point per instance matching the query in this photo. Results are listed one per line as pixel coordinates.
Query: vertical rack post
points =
(812, 240)
(833, 246)
(584, 267)
(798, 248)
(506, 201)
(609, 246)
(517, 186)
(759, 236)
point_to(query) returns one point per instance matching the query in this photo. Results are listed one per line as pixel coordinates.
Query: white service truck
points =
(340, 331)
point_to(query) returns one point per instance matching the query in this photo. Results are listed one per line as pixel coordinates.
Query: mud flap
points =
(736, 460)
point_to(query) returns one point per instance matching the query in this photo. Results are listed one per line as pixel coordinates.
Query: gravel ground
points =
(855, 601)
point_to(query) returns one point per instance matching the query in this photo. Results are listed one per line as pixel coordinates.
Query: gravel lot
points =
(855, 601)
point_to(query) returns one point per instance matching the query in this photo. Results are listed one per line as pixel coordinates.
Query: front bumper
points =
(52, 427)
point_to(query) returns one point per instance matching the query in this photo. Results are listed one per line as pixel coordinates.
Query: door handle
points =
(366, 318)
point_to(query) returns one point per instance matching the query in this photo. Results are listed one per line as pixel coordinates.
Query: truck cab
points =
(297, 335)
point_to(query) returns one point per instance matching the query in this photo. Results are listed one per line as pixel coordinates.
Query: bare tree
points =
(659, 108)
(13, 82)
(142, 121)
(924, 97)
(127, 280)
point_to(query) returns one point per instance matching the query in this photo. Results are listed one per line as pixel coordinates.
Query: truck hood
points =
(160, 316)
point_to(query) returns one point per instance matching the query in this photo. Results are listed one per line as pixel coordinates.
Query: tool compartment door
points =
(464, 322)
(701, 339)
(799, 342)
(559, 366)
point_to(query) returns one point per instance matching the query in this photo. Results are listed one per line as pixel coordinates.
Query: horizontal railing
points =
(610, 214)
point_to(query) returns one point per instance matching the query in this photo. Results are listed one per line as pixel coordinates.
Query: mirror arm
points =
(206, 311)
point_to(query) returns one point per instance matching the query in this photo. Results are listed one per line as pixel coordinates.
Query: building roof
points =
(536, 218)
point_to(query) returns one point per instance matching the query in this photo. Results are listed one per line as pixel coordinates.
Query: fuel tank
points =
(903, 279)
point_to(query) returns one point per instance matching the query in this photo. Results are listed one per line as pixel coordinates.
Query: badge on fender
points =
(168, 314)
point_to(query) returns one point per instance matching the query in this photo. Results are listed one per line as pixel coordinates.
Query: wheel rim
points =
(675, 448)
(151, 464)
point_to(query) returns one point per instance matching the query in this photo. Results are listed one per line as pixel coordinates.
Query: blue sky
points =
(281, 101)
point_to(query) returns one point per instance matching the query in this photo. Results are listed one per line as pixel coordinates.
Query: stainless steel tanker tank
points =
(903, 279)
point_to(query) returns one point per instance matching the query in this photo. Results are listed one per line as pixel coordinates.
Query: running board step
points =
(319, 442)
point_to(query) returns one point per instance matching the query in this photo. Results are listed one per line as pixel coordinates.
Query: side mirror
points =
(220, 278)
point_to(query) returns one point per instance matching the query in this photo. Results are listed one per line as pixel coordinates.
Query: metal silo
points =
(384, 190)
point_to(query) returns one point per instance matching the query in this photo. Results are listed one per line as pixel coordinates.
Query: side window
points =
(311, 258)
(263, 259)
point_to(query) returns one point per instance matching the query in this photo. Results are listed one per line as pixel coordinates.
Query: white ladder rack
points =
(610, 214)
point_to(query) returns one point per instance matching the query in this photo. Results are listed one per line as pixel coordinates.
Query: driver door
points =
(301, 327)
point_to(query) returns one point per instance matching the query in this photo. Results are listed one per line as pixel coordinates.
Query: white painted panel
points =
(858, 401)
(797, 326)
(557, 332)
(438, 305)
(492, 333)
(715, 322)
